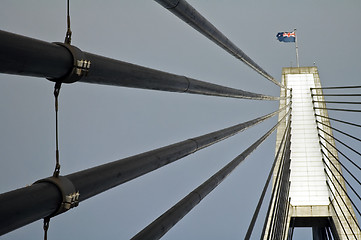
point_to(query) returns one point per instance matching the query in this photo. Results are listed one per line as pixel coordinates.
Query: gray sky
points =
(100, 124)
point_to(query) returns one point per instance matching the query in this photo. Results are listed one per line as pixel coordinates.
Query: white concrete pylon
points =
(312, 202)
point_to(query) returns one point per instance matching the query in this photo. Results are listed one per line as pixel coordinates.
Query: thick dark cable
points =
(343, 189)
(283, 205)
(274, 198)
(283, 197)
(260, 201)
(281, 146)
(284, 193)
(340, 175)
(339, 95)
(277, 231)
(279, 191)
(44, 198)
(344, 133)
(336, 102)
(276, 205)
(353, 176)
(274, 193)
(31, 57)
(342, 87)
(337, 120)
(112, 72)
(343, 201)
(344, 144)
(132, 167)
(344, 216)
(166, 221)
(338, 109)
(192, 17)
(340, 153)
(334, 209)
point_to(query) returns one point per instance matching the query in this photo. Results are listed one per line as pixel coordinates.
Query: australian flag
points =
(286, 36)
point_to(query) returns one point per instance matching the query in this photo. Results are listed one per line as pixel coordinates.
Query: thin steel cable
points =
(68, 32)
(338, 109)
(344, 155)
(341, 87)
(353, 176)
(285, 204)
(274, 193)
(343, 201)
(281, 191)
(260, 201)
(56, 96)
(344, 133)
(284, 207)
(278, 183)
(283, 198)
(46, 227)
(276, 206)
(336, 102)
(339, 95)
(344, 144)
(344, 216)
(337, 120)
(334, 209)
(340, 175)
(166, 221)
(343, 189)
(274, 197)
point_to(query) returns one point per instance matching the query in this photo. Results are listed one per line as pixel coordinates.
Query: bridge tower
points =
(308, 187)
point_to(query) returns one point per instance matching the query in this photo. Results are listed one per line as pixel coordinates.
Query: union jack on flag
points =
(286, 36)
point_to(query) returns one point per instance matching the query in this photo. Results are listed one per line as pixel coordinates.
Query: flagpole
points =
(298, 62)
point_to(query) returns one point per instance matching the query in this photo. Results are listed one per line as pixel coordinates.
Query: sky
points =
(100, 124)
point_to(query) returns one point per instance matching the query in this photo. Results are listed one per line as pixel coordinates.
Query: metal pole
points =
(30, 57)
(166, 221)
(298, 62)
(26, 205)
(191, 16)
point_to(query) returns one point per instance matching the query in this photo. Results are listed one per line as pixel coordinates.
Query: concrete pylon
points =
(315, 197)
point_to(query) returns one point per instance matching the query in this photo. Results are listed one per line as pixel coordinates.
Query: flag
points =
(286, 36)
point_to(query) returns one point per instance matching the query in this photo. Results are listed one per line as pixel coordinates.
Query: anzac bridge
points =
(308, 185)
